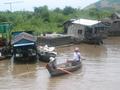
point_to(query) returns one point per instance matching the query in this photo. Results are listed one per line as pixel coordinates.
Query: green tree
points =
(42, 12)
(68, 10)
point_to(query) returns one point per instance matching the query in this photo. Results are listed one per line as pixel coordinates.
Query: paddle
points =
(83, 59)
(66, 71)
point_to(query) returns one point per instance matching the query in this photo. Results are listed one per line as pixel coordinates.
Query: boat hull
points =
(25, 59)
(45, 56)
(66, 70)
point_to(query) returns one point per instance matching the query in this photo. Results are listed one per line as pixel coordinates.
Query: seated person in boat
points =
(52, 62)
(76, 56)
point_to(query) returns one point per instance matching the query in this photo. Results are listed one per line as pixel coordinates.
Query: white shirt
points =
(77, 56)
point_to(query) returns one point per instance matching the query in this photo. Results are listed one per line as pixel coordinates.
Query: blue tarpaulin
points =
(24, 44)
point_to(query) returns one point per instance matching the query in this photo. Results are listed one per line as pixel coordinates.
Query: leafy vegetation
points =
(44, 20)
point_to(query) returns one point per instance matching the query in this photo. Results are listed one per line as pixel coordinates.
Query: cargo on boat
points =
(45, 52)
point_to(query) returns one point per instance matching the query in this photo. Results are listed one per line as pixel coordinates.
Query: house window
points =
(79, 31)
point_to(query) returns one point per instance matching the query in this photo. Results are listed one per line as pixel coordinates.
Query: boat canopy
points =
(23, 38)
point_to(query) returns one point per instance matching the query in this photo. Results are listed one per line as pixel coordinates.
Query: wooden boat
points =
(3, 54)
(2, 57)
(65, 68)
(45, 56)
(26, 54)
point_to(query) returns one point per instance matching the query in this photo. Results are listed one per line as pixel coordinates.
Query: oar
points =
(83, 59)
(66, 71)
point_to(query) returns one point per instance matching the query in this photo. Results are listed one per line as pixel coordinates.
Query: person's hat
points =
(76, 49)
(52, 59)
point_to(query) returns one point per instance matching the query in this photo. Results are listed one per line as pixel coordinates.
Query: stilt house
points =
(87, 30)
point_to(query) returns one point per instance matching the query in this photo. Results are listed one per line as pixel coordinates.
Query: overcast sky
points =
(30, 4)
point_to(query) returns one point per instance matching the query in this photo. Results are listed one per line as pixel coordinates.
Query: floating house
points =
(115, 25)
(92, 31)
(54, 40)
(66, 24)
(24, 46)
(115, 16)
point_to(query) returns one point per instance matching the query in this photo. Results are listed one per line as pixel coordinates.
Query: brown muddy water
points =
(100, 70)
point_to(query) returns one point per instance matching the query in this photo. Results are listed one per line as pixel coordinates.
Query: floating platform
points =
(54, 40)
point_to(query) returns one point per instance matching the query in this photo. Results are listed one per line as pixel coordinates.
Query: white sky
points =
(30, 4)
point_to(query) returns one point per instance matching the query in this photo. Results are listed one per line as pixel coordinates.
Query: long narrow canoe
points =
(65, 68)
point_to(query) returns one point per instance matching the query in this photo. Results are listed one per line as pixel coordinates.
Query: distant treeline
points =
(43, 19)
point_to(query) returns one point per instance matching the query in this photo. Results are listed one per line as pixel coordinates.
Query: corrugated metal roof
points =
(86, 22)
(118, 14)
(23, 35)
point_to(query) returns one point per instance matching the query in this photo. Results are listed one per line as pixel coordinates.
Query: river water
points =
(100, 70)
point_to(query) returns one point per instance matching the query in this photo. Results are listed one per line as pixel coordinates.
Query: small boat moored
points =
(5, 53)
(45, 52)
(64, 68)
(24, 47)
(2, 57)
